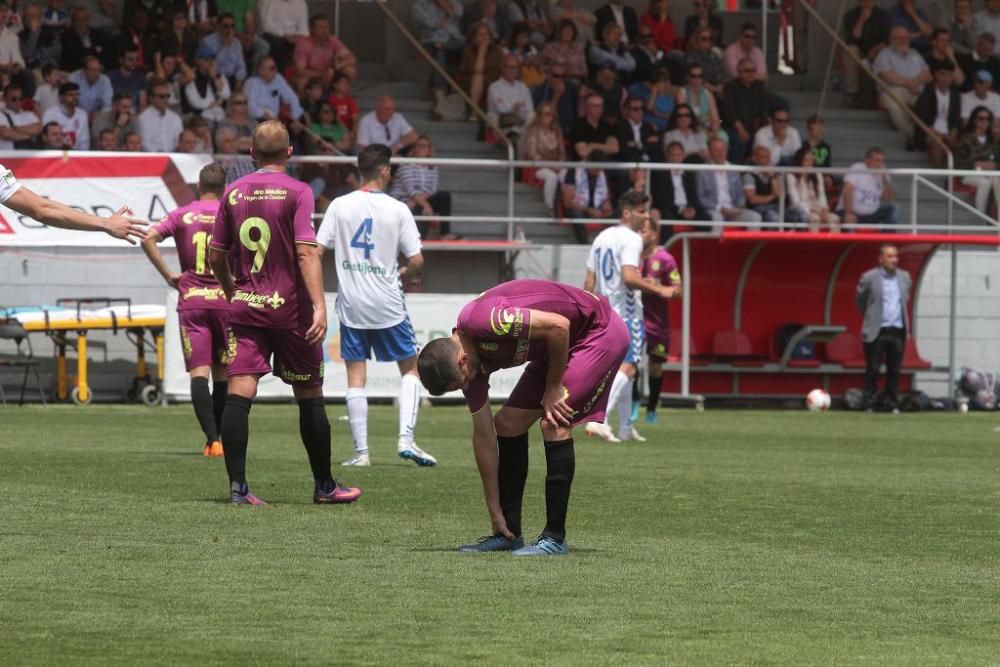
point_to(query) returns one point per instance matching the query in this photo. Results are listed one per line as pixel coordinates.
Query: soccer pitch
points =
(731, 537)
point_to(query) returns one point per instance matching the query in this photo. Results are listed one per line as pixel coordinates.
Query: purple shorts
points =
(657, 345)
(203, 337)
(296, 362)
(593, 362)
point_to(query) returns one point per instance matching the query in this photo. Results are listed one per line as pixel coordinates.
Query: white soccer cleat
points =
(410, 452)
(631, 434)
(360, 459)
(602, 431)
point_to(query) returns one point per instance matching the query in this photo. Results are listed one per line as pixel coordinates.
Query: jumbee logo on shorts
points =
(597, 393)
(230, 353)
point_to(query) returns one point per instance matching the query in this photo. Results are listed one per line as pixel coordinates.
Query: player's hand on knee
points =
(557, 411)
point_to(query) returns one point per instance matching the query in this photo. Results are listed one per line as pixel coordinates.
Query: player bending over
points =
(613, 271)
(368, 230)
(201, 305)
(18, 198)
(573, 342)
(264, 229)
(659, 266)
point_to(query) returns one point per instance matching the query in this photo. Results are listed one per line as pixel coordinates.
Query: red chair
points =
(961, 188)
(911, 358)
(674, 354)
(846, 350)
(734, 347)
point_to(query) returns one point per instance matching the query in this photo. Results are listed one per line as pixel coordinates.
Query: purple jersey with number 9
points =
(260, 219)
(191, 228)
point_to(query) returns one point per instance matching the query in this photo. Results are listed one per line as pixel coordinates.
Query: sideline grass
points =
(729, 538)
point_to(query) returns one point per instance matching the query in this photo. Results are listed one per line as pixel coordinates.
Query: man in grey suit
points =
(720, 193)
(882, 296)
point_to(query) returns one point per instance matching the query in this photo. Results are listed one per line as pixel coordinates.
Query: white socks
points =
(409, 406)
(357, 416)
(618, 388)
(624, 407)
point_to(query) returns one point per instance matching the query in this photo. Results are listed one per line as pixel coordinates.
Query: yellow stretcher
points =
(85, 315)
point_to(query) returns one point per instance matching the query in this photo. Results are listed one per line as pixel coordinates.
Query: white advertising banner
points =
(150, 184)
(433, 316)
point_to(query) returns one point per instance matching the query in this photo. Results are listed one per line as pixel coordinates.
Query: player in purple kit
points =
(201, 305)
(264, 230)
(661, 267)
(573, 342)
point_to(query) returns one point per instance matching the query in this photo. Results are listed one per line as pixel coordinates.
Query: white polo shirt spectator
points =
(10, 47)
(75, 125)
(284, 17)
(394, 131)
(782, 149)
(508, 100)
(980, 96)
(159, 129)
(15, 118)
(868, 189)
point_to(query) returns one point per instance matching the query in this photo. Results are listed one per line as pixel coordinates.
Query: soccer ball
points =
(818, 400)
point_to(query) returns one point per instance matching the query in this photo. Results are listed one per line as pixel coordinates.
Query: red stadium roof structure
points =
(741, 288)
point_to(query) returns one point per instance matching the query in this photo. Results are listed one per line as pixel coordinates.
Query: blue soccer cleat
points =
(544, 546)
(635, 411)
(492, 543)
(651, 418)
(409, 451)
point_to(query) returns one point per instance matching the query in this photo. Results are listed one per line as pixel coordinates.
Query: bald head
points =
(270, 142)
(385, 108)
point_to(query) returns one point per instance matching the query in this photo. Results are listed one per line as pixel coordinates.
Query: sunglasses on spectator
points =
(696, 75)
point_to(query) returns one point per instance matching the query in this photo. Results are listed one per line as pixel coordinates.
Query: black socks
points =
(655, 386)
(219, 392)
(235, 432)
(314, 428)
(201, 399)
(560, 464)
(512, 474)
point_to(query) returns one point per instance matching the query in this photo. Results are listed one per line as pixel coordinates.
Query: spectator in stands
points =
(704, 16)
(228, 50)
(562, 93)
(701, 53)
(485, 11)
(763, 188)
(543, 141)
(417, 185)
(612, 51)
(508, 101)
(980, 96)
(207, 93)
(480, 66)
(675, 192)
(127, 78)
(882, 297)
(11, 60)
(81, 41)
(659, 96)
(132, 143)
(657, 19)
(987, 19)
(226, 143)
(648, 56)
(157, 11)
(95, 87)
(781, 139)
(720, 193)
(866, 31)
(385, 126)
(175, 72)
(136, 34)
(47, 94)
(520, 45)
(321, 55)
(620, 14)
(981, 58)
(942, 54)
(807, 194)
(583, 20)
(585, 194)
(914, 20)
(904, 72)
(120, 119)
(55, 15)
(326, 134)
(638, 139)
(52, 137)
(106, 141)
(591, 133)
(744, 48)
(865, 192)
(311, 100)
(440, 32)
(202, 131)
(41, 45)
(104, 15)
(19, 128)
(535, 15)
(344, 105)
(822, 155)
(606, 84)
(962, 28)
(566, 50)
(180, 39)
(187, 142)
(268, 91)
(939, 107)
(686, 130)
(282, 23)
(702, 102)
(977, 149)
(745, 109)
(71, 118)
(254, 46)
(239, 121)
(159, 125)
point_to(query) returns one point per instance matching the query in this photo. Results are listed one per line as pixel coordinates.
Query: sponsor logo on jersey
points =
(258, 301)
(292, 376)
(206, 293)
(362, 267)
(489, 347)
(521, 354)
(506, 320)
(234, 197)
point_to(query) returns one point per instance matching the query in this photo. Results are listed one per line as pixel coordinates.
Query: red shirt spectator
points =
(658, 18)
(344, 106)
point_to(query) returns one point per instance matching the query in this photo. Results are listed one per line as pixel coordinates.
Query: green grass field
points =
(729, 538)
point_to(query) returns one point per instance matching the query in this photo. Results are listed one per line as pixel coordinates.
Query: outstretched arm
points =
(156, 258)
(484, 445)
(54, 214)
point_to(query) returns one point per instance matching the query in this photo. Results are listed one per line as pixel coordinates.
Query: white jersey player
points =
(614, 270)
(368, 230)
